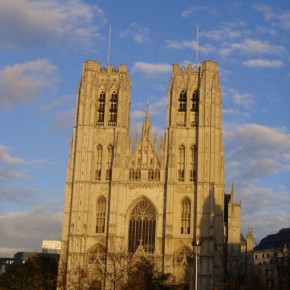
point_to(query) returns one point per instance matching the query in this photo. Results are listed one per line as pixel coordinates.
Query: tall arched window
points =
(157, 174)
(192, 173)
(150, 175)
(100, 215)
(109, 162)
(181, 163)
(99, 158)
(142, 227)
(138, 174)
(131, 174)
(185, 216)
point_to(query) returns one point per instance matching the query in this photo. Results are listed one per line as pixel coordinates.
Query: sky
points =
(43, 44)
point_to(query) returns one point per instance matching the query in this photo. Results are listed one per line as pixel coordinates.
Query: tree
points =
(144, 276)
(36, 273)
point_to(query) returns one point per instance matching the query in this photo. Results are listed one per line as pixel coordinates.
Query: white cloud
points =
(230, 112)
(23, 82)
(151, 68)
(26, 230)
(250, 47)
(139, 34)
(264, 209)
(259, 150)
(189, 44)
(245, 100)
(6, 174)
(5, 157)
(18, 195)
(264, 63)
(192, 10)
(27, 23)
(278, 16)
(64, 119)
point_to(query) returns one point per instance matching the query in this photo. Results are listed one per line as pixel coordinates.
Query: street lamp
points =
(196, 244)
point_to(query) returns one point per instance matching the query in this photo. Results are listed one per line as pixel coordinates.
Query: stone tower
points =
(137, 199)
(194, 167)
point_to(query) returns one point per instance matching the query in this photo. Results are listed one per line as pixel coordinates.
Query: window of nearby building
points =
(100, 215)
(181, 163)
(185, 216)
(142, 227)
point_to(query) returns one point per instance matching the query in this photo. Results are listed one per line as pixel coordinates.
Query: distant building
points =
(21, 257)
(4, 262)
(51, 247)
(271, 257)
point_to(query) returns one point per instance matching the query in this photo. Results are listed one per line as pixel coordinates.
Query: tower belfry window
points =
(113, 108)
(185, 216)
(181, 163)
(194, 100)
(101, 108)
(181, 114)
(182, 101)
(142, 227)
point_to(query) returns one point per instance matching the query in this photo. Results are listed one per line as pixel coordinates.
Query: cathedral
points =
(166, 203)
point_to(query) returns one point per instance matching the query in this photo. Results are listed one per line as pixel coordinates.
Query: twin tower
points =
(139, 199)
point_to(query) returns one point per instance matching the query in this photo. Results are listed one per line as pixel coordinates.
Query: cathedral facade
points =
(141, 199)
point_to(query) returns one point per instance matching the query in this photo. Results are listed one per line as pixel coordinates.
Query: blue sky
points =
(42, 46)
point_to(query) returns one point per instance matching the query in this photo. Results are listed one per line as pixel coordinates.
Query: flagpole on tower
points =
(197, 44)
(109, 44)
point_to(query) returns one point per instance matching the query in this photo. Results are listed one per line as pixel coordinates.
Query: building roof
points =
(275, 241)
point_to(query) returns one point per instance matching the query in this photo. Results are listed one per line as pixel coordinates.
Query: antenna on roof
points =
(197, 44)
(109, 45)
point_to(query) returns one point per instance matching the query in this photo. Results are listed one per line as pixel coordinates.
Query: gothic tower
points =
(138, 199)
(194, 169)
(97, 156)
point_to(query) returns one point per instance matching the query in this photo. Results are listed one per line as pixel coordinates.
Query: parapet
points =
(189, 69)
(91, 65)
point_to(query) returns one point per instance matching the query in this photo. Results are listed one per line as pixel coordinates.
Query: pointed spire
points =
(146, 128)
(233, 194)
(147, 116)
